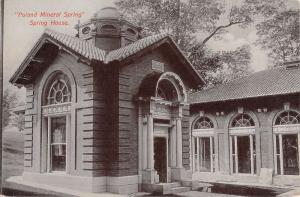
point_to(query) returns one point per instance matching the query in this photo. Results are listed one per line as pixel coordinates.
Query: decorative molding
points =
(295, 128)
(242, 131)
(56, 109)
(240, 110)
(155, 65)
(286, 106)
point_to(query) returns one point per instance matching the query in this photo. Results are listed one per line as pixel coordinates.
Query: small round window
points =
(131, 31)
(108, 28)
(86, 30)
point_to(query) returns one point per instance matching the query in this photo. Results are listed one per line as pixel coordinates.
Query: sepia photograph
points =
(134, 98)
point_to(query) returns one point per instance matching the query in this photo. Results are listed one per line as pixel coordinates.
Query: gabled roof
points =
(126, 51)
(80, 46)
(92, 53)
(277, 81)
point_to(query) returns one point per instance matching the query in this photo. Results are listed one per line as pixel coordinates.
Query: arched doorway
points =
(286, 139)
(242, 143)
(203, 145)
(161, 99)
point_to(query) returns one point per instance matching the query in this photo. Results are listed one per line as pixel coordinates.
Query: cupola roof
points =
(108, 13)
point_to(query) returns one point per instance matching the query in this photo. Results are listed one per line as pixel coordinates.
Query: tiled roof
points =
(122, 53)
(89, 51)
(277, 81)
(82, 47)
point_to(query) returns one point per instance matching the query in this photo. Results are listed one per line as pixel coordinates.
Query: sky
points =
(20, 33)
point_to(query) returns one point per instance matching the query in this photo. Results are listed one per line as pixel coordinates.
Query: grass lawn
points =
(12, 152)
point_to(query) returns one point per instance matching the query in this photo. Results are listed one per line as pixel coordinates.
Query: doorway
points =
(57, 143)
(290, 154)
(160, 158)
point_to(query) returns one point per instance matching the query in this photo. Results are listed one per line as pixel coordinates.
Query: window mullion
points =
(275, 153)
(211, 154)
(198, 154)
(281, 154)
(236, 154)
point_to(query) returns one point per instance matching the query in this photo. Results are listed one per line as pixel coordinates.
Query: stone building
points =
(110, 111)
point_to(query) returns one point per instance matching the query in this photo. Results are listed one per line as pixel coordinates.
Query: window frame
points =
(197, 134)
(242, 129)
(279, 130)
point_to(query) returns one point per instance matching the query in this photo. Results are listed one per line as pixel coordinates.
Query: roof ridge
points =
(239, 79)
(77, 44)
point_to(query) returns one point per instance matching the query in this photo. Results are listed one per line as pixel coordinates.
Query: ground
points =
(12, 158)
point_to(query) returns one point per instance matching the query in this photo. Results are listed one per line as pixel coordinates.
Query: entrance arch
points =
(161, 98)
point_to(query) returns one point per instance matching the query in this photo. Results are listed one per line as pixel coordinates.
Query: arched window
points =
(203, 145)
(286, 131)
(242, 120)
(166, 91)
(242, 144)
(56, 114)
(59, 92)
(288, 117)
(203, 123)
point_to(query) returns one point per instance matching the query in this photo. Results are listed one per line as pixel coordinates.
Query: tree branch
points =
(197, 47)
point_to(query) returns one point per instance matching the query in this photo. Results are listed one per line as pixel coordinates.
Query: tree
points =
(279, 35)
(8, 102)
(234, 65)
(185, 21)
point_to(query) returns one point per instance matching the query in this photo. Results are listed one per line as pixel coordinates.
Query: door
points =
(160, 158)
(57, 146)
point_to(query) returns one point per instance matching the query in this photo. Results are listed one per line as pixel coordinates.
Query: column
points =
(150, 152)
(68, 143)
(144, 145)
(173, 145)
(281, 154)
(251, 154)
(48, 145)
(179, 143)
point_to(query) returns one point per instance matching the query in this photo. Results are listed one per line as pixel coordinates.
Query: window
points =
(56, 115)
(286, 143)
(203, 145)
(59, 92)
(58, 144)
(108, 28)
(166, 91)
(242, 145)
(242, 120)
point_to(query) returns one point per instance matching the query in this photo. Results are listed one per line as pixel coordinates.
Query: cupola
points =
(108, 30)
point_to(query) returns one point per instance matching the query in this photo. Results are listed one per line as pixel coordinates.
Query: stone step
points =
(176, 190)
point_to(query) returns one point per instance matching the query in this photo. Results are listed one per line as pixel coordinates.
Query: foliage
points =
(185, 21)
(234, 64)
(280, 35)
(19, 121)
(9, 101)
